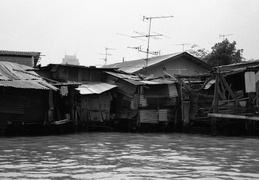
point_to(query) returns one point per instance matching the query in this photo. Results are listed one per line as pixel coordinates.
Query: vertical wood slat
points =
(142, 101)
(148, 116)
(154, 116)
(172, 90)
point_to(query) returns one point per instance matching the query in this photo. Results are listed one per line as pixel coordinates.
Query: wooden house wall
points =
(28, 61)
(180, 66)
(90, 75)
(126, 107)
(134, 104)
(96, 108)
(61, 74)
(23, 106)
(123, 87)
(126, 88)
(156, 103)
(66, 73)
(36, 106)
(149, 104)
(154, 116)
(156, 91)
(126, 100)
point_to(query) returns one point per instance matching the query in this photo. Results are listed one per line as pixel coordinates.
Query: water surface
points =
(129, 156)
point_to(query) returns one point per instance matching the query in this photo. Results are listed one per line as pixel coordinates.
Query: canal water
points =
(129, 156)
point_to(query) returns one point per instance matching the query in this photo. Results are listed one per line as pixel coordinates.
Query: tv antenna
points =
(106, 54)
(149, 19)
(150, 52)
(224, 35)
(183, 44)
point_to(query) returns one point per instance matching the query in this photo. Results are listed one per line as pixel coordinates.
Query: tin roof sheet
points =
(28, 84)
(159, 81)
(16, 76)
(137, 65)
(95, 88)
(136, 80)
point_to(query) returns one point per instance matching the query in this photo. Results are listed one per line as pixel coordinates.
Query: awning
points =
(95, 88)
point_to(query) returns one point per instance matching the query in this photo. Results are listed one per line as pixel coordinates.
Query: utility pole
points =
(150, 35)
(106, 55)
(224, 35)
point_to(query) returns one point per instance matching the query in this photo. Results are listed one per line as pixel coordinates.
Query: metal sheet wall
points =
(148, 116)
(154, 116)
(126, 88)
(164, 115)
(135, 102)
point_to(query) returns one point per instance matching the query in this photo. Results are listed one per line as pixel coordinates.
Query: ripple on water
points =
(129, 156)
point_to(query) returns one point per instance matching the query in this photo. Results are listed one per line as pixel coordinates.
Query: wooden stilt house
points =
(25, 99)
(230, 100)
(84, 98)
(144, 103)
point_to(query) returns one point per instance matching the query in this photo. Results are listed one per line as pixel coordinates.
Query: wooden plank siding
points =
(29, 107)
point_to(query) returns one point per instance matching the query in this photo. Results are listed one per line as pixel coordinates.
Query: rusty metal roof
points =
(17, 76)
(95, 88)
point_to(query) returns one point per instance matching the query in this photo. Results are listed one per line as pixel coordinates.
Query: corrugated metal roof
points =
(159, 81)
(240, 66)
(77, 66)
(95, 88)
(28, 84)
(136, 65)
(124, 76)
(136, 80)
(16, 76)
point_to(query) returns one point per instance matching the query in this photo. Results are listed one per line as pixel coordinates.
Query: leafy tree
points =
(224, 53)
(199, 53)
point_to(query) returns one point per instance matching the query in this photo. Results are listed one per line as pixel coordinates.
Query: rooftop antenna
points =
(150, 18)
(140, 50)
(106, 55)
(224, 35)
(183, 44)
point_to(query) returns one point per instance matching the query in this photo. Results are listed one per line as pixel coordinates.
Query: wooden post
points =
(227, 86)
(215, 104)
(100, 109)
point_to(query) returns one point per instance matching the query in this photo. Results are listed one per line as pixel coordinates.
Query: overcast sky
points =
(87, 27)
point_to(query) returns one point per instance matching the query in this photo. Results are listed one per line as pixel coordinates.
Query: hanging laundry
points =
(250, 81)
(64, 90)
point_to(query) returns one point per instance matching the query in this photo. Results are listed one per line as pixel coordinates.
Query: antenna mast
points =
(183, 44)
(106, 55)
(149, 35)
(224, 35)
